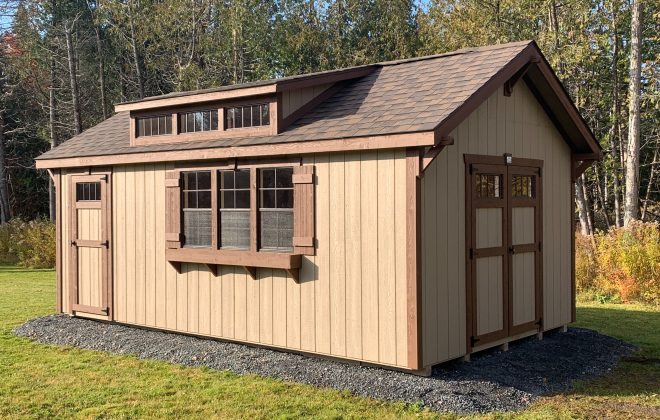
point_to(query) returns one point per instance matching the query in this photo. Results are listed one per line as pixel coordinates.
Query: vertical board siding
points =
(351, 297)
(517, 125)
(294, 99)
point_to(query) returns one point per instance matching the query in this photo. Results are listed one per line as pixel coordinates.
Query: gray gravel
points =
(493, 381)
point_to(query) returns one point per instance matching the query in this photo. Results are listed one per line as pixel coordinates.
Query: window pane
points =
(284, 199)
(256, 115)
(284, 177)
(214, 119)
(140, 127)
(229, 118)
(161, 125)
(242, 178)
(206, 120)
(190, 200)
(204, 199)
(277, 230)
(267, 178)
(190, 180)
(190, 123)
(197, 227)
(168, 125)
(147, 126)
(227, 200)
(243, 199)
(226, 180)
(247, 116)
(265, 114)
(204, 180)
(199, 121)
(238, 117)
(268, 199)
(235, 229)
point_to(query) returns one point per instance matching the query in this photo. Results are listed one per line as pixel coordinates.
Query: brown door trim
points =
(105, 244)
(498, 164)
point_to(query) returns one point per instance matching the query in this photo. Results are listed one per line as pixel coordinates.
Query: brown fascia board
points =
(548, 90)
(258, 88)
(385, 141)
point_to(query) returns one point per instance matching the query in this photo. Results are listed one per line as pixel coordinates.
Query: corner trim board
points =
(413, 258)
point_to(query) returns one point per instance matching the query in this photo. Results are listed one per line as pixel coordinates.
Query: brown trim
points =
(391, 141)
(413, 258)
(104, 244)
(573, 285)
(509, 84)
(434, 151)
(268, 162)
(89, 309)
(215, 214)
(303, 210)
(309, 106)
(254, 210)
(501, 160)
(197, 98)
(239, 258)
(57, 185)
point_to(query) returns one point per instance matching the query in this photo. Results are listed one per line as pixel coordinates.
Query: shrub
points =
(29, 244)
(620, 265)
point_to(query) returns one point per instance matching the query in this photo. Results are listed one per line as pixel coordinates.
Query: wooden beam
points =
(509, 84)
(434, 151)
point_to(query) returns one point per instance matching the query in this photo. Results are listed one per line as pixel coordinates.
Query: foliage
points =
(620, 264)
(30, 244)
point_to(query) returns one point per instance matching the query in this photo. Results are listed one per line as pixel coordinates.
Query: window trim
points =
(250, 258)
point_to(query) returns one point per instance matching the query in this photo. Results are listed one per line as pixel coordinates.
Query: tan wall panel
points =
(522, 269)
(489, 227)
(522, 227)
(489, 295)
(294, 99)
(517, 125)
(347, 304)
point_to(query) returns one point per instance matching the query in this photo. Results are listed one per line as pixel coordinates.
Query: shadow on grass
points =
(12, 268)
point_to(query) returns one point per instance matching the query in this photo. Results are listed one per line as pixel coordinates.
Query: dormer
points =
(247, 110)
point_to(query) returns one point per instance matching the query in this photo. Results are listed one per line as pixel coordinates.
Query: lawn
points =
(47, 381)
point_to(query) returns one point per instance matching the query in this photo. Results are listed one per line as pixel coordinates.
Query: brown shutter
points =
(303, 210)
(173, 237)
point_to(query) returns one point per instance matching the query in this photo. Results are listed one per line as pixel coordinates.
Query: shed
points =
(400, 214)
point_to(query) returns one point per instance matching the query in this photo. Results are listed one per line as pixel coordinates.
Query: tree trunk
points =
(583, 210)
(602, 194)
(632, 160)
(136, 56)
(615, 130)
(52, 115)
(649, 188)
(5, 209)
(73, 79)
(99, 49)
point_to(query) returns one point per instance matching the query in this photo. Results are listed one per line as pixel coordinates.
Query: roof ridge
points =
(461, 51)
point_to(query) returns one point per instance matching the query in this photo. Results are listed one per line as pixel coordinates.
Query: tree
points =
(632, 158)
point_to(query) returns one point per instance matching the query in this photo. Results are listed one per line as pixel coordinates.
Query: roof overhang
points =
(531, 66)
(391, 141)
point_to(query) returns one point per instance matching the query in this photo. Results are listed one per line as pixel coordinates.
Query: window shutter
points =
(173, 235)
(303, 210)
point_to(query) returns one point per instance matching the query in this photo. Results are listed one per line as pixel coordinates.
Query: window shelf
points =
(249, 259)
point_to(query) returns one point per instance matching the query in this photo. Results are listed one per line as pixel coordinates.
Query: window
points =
(523, 186)
(197, 225)
(488, 186)
(154, 126)
(88, 191)
(276, 209)
(247, 116)
(192, 122)
(234, 207)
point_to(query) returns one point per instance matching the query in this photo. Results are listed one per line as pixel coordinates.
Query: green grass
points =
(41, 381)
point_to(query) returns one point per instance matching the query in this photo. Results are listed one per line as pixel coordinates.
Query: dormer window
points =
(247, 116)
(154, 126)
(197, 121)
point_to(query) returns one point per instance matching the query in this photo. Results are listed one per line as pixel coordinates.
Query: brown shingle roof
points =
(398, 97)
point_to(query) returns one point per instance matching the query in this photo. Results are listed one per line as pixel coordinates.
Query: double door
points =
(504, 245)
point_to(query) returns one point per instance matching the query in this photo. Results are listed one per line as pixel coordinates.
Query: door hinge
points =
(104, 177)
(473, 341)
(471, 253)
(540, 246)
(73, 243)
(106, 243)
(540, 322)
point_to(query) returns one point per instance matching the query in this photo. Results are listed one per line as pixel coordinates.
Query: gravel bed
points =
(492, 381)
